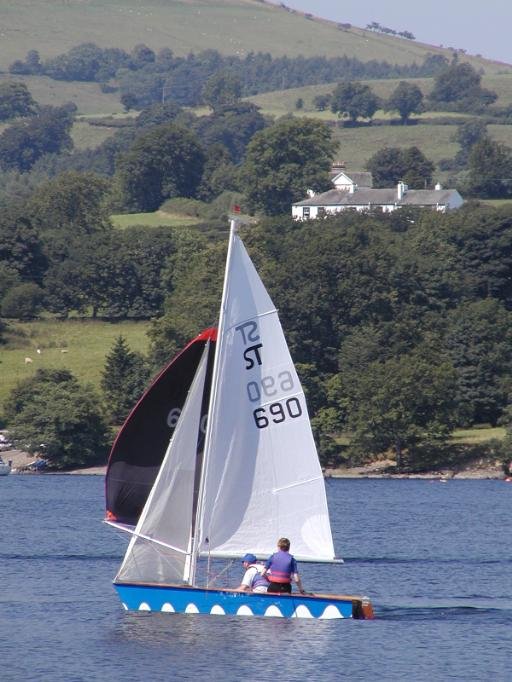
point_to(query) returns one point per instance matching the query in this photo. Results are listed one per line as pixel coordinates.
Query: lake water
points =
(436, 559)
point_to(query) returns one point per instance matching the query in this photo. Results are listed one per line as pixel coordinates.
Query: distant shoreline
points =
(20, 460)
(477, 470)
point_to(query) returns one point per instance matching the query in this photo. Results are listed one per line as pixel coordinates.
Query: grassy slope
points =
(230, 26)
(87, 96)
(86, 343)
(156, 219)
(284, 100)
(478, 435)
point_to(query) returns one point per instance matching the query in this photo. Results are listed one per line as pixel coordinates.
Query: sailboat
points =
(221, 463)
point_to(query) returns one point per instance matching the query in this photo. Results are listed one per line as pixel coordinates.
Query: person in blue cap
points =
(253, 580)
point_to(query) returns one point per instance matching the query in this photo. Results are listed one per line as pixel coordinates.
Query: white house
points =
(355, 192)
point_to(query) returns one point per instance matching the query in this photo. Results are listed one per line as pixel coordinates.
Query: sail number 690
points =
(277, 412)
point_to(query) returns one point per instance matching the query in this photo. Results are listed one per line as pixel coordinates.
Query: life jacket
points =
(281, 566)
(258, 580)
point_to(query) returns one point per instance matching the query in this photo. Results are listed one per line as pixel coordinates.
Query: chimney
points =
(401, 189)
(338, 165)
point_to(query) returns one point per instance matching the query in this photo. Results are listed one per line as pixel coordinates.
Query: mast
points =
(234, 224)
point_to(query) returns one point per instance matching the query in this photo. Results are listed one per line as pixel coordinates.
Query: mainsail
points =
(262, 477)
(141, 443)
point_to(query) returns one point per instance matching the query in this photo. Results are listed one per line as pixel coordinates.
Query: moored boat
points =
(5, 467)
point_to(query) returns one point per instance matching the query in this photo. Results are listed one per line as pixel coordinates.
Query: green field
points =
(77, 345)
(87, 96)
(476, 436)
(357, 145)
(156, 219)
(281, 102)
(86, 136)
(472, 436)
(230, 26)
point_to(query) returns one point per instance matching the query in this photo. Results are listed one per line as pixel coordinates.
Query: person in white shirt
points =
(253, 581)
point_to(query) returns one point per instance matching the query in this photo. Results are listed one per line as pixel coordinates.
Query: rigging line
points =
(283, 397)
(254, 317)
(297, 483)
(153, 540)
(212, 407)
(208, 566)
(224, 570)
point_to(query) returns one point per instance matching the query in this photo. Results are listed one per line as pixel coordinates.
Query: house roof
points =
(359, 178)
(379, 197)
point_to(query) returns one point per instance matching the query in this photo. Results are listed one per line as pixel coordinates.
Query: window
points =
(305, 212)
(321, 212)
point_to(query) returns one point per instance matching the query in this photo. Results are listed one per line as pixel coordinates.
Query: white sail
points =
(160, 549)
(262, 477)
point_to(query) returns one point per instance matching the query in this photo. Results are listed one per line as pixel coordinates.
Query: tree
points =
(482, 239)
(467, 135)
(458, 87)
(232, 127)
(67, 210)
(86, 62)
(21, 248)
(16, 100)
(489, 170)
(286, 160)
(391, 164)
(9, 278)
(194, 294)
(115, 275)
(221, 90)
(165, 162)
(407, 98)
(321, 102)
(156, 114)
(479, 341)
(73, 204)
(31, 66)
(354, 100)
(23, 301)
(220, 174)
(124, 379)
(404, 404)
(142, 55)
(22, 144)
(52, 414)
(417, 169)
(129, 100)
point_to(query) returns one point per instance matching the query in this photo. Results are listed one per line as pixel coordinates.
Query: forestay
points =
(262, 476)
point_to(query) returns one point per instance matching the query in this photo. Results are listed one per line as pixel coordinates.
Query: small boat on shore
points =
(241, 468)
(5, 467)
